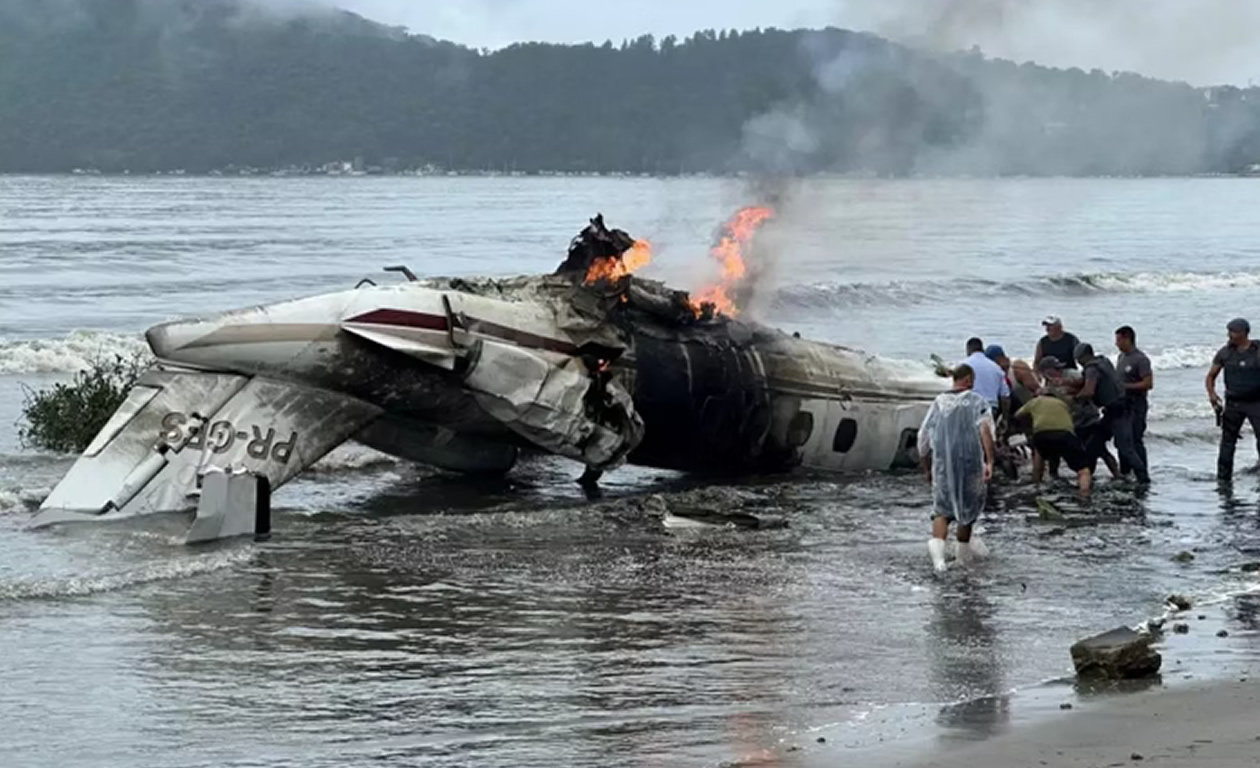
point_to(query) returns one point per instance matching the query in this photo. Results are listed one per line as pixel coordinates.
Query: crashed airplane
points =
(589, 363)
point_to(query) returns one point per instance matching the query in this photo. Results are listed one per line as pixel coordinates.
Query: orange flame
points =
(729, 252)
(614, 268)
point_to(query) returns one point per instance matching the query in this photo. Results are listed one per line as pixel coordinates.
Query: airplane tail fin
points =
(177, 424)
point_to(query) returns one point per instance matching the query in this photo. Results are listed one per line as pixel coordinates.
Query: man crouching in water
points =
(956, 443)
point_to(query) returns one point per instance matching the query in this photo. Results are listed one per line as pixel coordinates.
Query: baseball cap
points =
(1050, 363)
(1052, 320)
(1238, 325)
(1083, 350)
(994, 351)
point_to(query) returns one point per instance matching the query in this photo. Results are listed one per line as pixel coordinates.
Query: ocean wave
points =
(67, 354)
(79, 586)
(1199, 409)
(14, 500)
(1193, 356)
(352, 456)
(909, 292)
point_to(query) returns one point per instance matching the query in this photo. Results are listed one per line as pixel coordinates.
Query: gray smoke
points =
(1204, 42)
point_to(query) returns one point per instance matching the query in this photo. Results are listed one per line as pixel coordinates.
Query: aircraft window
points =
(908, 454)
(846, 436)
(800, 429)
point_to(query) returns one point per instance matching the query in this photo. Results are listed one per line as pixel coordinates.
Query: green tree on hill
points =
(147, 85)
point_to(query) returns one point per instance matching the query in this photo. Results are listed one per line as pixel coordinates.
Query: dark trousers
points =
(1232, 419)
(1117, 423)
(1138, 408)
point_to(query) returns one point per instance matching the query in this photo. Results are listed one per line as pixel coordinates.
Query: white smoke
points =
(1205, 42)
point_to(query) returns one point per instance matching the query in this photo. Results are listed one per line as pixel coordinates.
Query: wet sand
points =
(1216, 725)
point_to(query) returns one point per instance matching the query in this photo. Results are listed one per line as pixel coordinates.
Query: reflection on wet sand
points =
(965, 660)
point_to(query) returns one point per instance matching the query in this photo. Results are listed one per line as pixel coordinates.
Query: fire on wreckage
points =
(464, 374)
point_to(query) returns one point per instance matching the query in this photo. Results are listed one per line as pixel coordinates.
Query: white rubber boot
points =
(978, 548)
(965, 554)
(936, 548)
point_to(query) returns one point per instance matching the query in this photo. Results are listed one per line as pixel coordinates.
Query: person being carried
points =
(1054, 438)
(1102, 385)
(1240, 359)
(957, 449)
(1026, 386)
(998, 355)
(1086, 418)
(1056, 343)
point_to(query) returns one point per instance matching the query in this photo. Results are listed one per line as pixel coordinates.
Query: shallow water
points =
(400, 615)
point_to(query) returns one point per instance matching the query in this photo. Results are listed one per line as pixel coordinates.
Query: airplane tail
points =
(175, 425)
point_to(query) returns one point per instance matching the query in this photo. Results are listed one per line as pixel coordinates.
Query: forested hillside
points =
(146, 85)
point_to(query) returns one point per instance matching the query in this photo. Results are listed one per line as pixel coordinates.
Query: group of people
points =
(1070, 402)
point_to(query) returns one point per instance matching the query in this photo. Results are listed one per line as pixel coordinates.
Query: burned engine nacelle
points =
(731, 396)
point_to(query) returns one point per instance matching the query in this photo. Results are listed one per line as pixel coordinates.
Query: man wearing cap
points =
(1057, 343)
(1054, 437)
(1240, 359)
(1103, 386)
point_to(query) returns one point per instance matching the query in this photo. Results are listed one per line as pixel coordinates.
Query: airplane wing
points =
(536, 390)
(176, 424)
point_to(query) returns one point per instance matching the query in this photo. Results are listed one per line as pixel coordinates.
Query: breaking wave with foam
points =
(908, 292)
(67, 354)
(91, 584)
(1192, 356)
(350, 457)
(14, 500)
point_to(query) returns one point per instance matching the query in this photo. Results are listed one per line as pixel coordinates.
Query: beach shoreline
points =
(1214, 724)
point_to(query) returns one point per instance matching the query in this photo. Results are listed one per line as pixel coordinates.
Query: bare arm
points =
(1210, 382)
(1087, 391)
(1145, 385)
(1037, 355)
(924, 443)
(986, 438)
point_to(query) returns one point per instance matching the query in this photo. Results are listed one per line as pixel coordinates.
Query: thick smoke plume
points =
(1205, 42)
(939, 104)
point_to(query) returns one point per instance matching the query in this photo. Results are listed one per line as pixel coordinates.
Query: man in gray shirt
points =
(1102, 384)
(1240, 359)
(1135, 372)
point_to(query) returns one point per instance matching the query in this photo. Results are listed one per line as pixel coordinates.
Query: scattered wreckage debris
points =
(1120, 654)
(592, 363)
(1179, 603)
(713, 507)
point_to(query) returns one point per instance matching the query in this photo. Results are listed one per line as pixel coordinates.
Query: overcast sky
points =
(1201, 41)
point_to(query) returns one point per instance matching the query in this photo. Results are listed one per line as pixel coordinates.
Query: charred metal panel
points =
(704, 404)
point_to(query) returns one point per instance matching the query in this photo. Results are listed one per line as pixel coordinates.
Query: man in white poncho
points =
(956, 446)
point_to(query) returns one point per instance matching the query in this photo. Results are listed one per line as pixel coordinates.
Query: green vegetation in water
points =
(941, 368)
(66, 416)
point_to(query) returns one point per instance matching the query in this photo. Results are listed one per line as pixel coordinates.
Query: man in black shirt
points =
(1240, 359)
(1102, 384)
(1056, 343)
(1138, 379)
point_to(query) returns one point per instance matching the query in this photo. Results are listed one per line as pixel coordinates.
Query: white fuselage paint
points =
(300, 340)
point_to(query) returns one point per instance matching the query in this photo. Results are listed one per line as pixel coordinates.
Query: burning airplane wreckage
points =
(589, 363)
